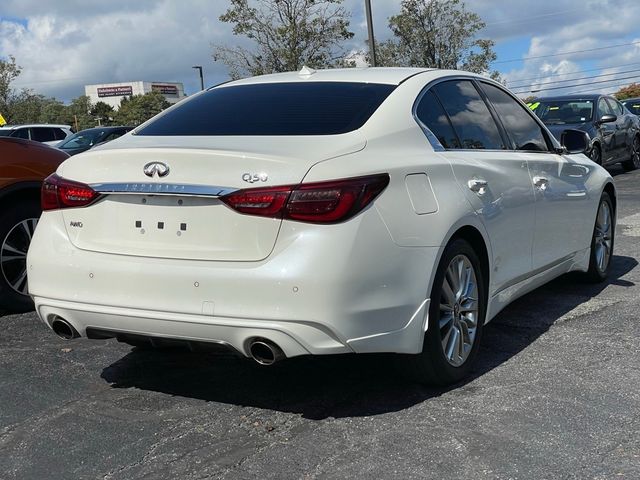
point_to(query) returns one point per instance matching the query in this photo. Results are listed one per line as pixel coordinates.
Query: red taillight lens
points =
(58, 192)
(323, 202)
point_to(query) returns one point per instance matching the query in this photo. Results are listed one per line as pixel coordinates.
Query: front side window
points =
(430, 113)
(521, 127)
(616, 107)
(469, 114)
(604, 108)
(295, 108)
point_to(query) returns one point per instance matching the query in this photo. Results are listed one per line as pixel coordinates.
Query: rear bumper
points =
(357, 292)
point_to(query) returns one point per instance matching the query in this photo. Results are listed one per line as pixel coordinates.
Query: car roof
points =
(384, 75)
(634, 99)
(575, 96)
(13, 127)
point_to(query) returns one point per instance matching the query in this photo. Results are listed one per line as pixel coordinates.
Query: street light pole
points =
(199, 68)
(372, 42)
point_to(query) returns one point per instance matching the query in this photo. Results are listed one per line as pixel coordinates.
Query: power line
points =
(617, 82)
(528, 19)
(577, 85)
(588, 88)
(570, 73)
(576, 79)
(523, 59)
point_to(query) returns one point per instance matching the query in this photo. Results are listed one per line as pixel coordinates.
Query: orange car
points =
(23, 166)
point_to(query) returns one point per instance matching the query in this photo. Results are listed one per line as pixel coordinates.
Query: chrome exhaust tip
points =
(265, 352)
(64, 329)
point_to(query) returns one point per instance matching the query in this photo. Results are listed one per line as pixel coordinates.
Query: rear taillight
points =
(58, 192)
(323, 202)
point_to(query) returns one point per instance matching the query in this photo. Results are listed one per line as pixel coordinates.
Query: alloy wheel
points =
(458, 320)
(636, 152)
(603, 238)
(13, 254)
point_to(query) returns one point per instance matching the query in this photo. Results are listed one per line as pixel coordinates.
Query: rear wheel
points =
(602, 241)
(17, 225)
(634, 162)
(456, 317)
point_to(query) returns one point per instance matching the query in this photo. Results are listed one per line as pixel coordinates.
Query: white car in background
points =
(45, 133)
(321, 212)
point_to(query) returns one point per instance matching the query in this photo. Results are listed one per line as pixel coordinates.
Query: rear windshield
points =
(560, 112)
(313, 108)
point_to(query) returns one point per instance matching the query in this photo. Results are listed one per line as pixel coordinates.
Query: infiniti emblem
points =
(152, 169)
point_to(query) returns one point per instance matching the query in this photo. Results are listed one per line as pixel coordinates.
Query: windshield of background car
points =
(309, 108)
(81, 140)
(633, 106)
(559, 112)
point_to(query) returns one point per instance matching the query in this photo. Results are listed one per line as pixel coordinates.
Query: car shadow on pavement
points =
(348, 385)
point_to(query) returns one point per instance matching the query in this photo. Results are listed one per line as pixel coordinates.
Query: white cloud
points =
(66, 44)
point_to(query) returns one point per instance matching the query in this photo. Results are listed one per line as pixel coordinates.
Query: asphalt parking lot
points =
(556, 395)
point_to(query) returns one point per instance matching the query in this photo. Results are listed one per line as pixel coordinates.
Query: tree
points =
(9, 71)
(287, 34)
(137, 109)
(437, 34)
(630, 91)
(103, 113)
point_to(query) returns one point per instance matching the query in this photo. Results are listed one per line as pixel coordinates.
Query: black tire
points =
(597, 273)
(634, 162)
(596, 154)
(432, 365)
(16, 236)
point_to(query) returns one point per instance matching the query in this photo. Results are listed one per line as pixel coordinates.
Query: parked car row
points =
(324, 212)
(613, 130)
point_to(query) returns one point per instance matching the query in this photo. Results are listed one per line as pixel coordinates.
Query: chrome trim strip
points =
(162, 189)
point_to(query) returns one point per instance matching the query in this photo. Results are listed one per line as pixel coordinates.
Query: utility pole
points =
(199, 67)
(372, 42)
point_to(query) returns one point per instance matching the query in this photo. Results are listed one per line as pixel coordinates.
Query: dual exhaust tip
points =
(261, 350)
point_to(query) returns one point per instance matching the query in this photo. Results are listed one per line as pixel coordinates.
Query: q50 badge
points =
(255, 177)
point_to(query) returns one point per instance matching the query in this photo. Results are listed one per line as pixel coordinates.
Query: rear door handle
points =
(478, 186)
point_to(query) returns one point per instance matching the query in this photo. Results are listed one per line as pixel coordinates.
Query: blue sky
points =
(64, 44)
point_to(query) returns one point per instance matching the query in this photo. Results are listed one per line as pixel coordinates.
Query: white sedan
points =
(321, 212)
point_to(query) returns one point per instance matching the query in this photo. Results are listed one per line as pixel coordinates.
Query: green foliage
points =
(103, 113)
(286, 35)
(630, 91)
(9, 71)
(437, 34)
(137, 109)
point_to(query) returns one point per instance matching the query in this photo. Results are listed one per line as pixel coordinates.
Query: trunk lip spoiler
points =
(179, 189)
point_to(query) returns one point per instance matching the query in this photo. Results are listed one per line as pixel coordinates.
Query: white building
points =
(113, 93)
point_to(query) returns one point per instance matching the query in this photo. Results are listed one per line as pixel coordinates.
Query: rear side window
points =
(21, 133)
(59, 134)
(42, 134)
(469, 115)
(521, 127)
(430, 113)
(309, 108)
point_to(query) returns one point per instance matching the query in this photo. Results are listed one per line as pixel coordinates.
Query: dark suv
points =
(614, 131)
(23, 166)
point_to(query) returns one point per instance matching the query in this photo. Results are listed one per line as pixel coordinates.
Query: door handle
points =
(478, 186)
(540, 182)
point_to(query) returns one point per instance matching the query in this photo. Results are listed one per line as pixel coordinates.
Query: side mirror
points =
(575, 141)
(607, 119)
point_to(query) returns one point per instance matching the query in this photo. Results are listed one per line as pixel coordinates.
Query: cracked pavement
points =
(555, 395)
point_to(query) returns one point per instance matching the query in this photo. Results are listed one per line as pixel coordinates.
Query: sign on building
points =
(115, 91)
